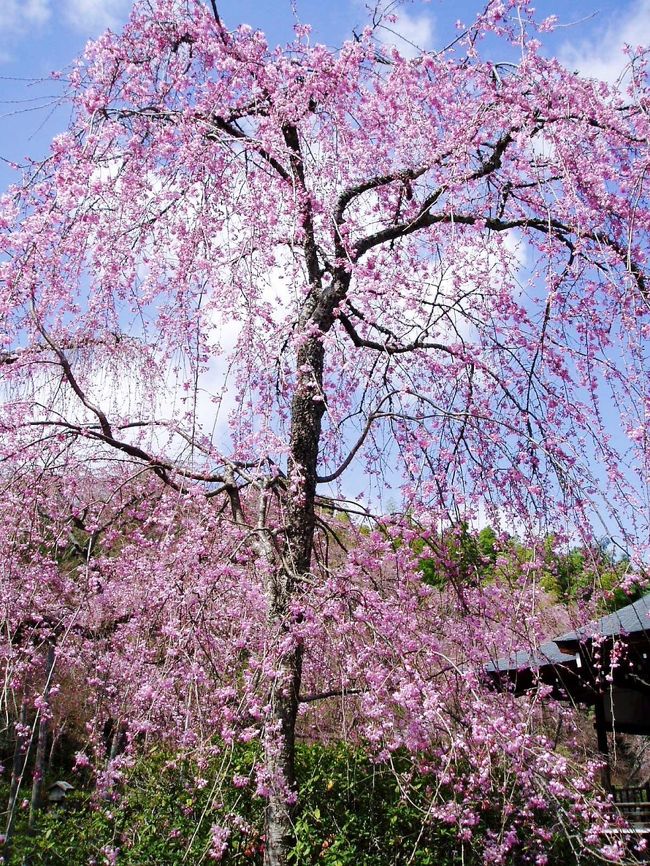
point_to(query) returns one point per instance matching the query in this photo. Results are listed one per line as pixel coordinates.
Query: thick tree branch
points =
(230, 128)
(215, 12)
(425, 220)
(13, 356)
(388, 348)
(332, 693)
(353, 192)
(72, 381)
(325, 479)
(162, 468)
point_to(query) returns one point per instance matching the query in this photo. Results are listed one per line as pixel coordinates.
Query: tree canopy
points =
(248, 281)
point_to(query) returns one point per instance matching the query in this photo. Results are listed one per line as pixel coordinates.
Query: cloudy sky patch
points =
(410, 34)
(601, 55)
(91, 16)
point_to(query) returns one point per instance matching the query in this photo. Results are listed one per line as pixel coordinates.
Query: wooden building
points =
(604, 664)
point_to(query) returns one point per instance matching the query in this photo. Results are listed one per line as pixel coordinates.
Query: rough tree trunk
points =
(280, 762)
(306, 415)
(41, 743)
(17, 772)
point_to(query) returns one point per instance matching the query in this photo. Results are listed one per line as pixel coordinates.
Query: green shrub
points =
(353, 812)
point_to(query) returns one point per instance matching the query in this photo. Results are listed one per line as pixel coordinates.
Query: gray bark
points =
(41, 743)
(17, 772)
(306, 415)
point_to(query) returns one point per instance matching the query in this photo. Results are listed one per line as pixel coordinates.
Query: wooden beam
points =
(601, 737)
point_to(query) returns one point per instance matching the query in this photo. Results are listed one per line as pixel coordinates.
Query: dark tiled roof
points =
(547, 654)
(632, 619)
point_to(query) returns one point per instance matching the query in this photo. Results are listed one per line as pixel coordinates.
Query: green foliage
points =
(586, 572)
(162, 816)
(353, 813)
(461, 557)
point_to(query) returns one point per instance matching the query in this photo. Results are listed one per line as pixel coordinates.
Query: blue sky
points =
(38, 36)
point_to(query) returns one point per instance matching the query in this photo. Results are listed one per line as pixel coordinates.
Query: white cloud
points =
(91, 16)
(601, 55)
(18, 15)
(410, 34)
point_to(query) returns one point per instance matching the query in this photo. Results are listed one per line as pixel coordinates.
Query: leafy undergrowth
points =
(353, 813)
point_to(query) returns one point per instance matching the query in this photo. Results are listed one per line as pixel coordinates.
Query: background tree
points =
(244, 271)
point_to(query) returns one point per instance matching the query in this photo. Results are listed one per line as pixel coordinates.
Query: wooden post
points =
(601, 736)
(17, 771)
(41, 743)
